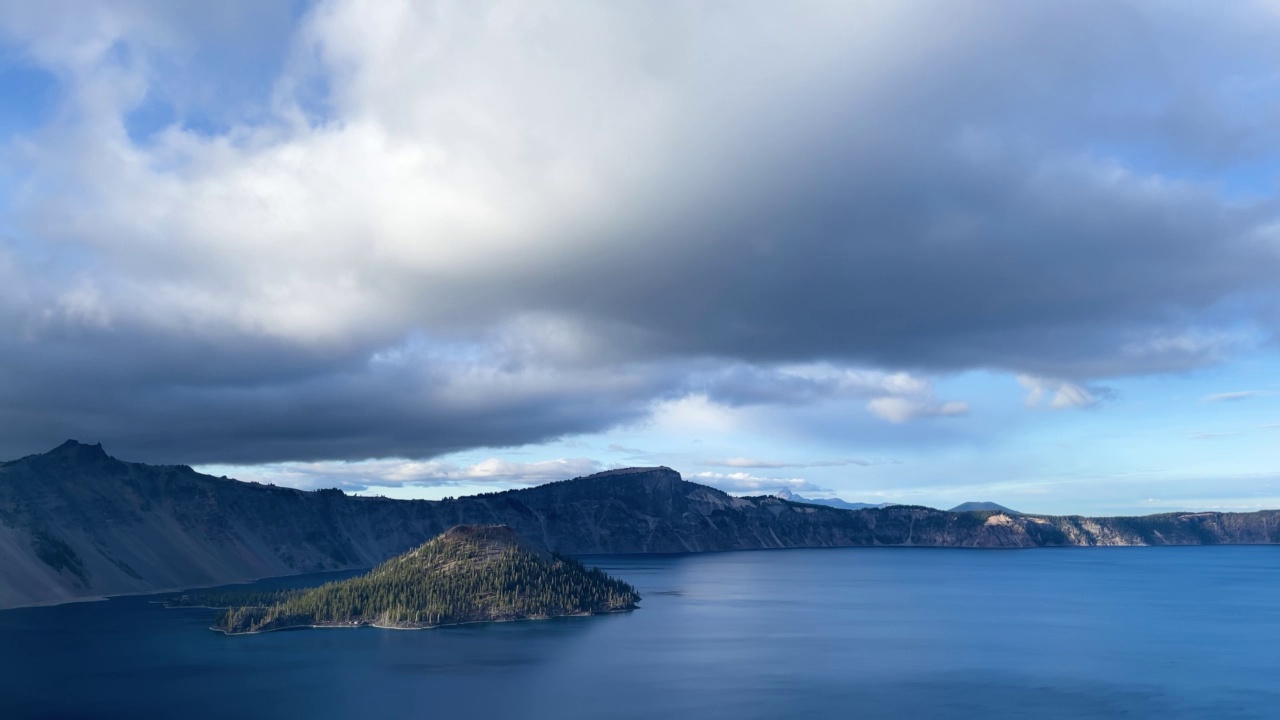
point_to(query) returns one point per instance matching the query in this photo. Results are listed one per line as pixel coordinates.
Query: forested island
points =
(470, 573)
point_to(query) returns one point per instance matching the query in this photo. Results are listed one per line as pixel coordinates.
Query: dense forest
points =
(467, 574)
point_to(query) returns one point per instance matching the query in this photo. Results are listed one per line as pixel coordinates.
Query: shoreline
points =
(69, 601)
(359, 625)
(162, 591)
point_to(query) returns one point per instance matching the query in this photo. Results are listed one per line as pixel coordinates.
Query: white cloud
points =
(465, 144)
(1057, 394)
(744, 482)
(408, 473)
(894, 396)
(1235, 396)
(902, 409)
(692, 414)
(1187, 349)
(741, 462)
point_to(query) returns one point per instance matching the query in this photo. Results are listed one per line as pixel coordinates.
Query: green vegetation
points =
(467, 574)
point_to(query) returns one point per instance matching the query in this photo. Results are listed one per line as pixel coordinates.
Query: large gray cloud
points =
(448, 226)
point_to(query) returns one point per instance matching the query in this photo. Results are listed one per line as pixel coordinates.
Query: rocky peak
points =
(480, 533)
(634, 481)
(490, 539)
(660, 470)
(78, 451)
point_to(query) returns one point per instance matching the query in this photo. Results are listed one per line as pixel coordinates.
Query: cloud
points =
(1235, 396)
(360, 476)
(897, 397)
(211, 403)
(739, 462)
(1210, 435)
(409, 229)
(743, 482)
(1060, 394)
(902, 409)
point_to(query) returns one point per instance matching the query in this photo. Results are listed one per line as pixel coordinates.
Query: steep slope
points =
(76, 523)
(470, 573)
(105, 526)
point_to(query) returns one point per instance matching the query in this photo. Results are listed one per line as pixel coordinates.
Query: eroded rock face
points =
(76, 523)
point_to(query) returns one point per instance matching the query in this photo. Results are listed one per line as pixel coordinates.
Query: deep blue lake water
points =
(860, 632)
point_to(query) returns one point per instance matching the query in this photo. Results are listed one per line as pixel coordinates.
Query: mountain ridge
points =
(76, 523)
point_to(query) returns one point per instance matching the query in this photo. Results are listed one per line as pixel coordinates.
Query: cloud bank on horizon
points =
(253, 232)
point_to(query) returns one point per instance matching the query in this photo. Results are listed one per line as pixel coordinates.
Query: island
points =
(469, 573)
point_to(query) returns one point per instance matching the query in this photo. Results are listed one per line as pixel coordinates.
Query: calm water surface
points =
(1108, 632)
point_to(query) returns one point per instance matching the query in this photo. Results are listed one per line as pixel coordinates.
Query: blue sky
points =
(923, 253)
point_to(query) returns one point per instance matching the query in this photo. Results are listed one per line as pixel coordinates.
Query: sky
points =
(923, 252)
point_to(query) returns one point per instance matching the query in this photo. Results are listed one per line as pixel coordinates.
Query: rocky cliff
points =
(77, 523)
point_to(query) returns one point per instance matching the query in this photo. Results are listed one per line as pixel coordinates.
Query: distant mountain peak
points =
(632, 471)
(78, 450)
(981, 506)
(789, 496)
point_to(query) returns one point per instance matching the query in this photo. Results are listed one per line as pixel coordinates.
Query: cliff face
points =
(76, 523)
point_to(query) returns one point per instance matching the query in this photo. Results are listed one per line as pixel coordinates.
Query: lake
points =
(1171, 632)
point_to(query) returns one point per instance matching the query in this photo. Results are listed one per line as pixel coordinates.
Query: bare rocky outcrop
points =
(77, 523)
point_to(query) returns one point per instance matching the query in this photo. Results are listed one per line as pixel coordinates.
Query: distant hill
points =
(470, 573)
(77, 523)
(786, 494)
(978, 506)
